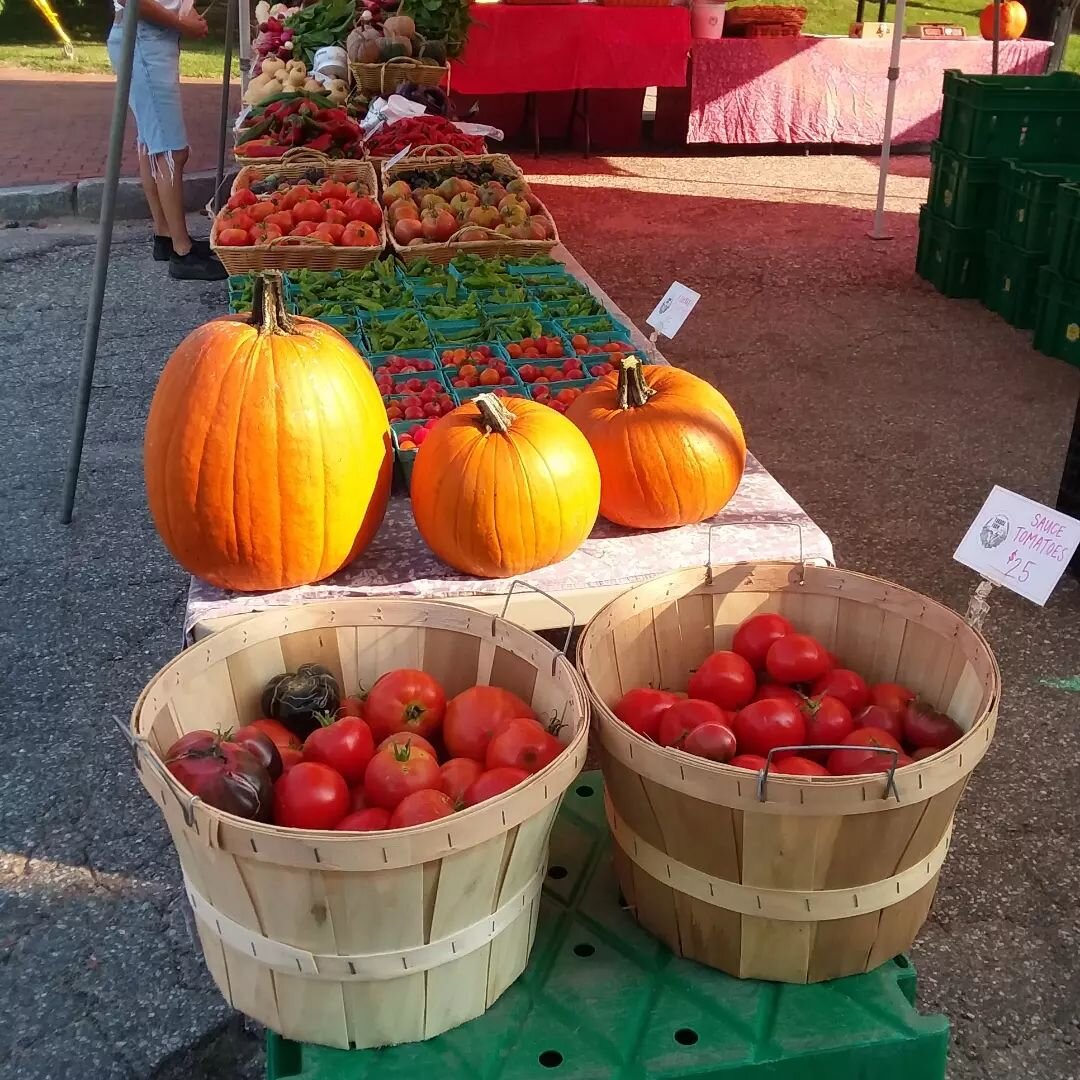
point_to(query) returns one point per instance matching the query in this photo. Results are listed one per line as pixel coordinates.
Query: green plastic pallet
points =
(963, 189)
(1057, 318)
(950, 258)
(603, 1000)
(1011, 281)
(1027, 201)
(1065, 243)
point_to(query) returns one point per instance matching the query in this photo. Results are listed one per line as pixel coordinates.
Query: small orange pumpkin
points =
(1013, 21)
(670, 448)
(267, 454)
(502, 486)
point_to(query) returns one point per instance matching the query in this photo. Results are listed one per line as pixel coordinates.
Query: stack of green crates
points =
(1057, 315)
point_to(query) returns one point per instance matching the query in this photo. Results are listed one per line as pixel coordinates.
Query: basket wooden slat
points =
(826, 877)
(310, 932)
(386, 78)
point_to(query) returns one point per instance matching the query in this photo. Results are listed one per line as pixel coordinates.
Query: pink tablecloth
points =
(831, 90)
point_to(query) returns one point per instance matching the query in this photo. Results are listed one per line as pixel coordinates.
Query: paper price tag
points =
(1020, 544)
(669, 315)
(391, 161)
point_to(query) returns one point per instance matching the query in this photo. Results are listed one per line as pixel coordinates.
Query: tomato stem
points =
(633, 391)
(324, 719)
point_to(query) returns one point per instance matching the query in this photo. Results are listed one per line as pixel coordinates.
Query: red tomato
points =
(232, 237)
(332, 204)
(474, 716)
(641, 709)
(522, 744)
(243, 197)
(924, 752)
(925, 727)
(261, 211)
(373, 819)
(725, 679)
(493, 783)
(764, 725)
(754, 637)
(860, 758)
(264, 232)
(333, 189)
(221, 773)
(877, 716)
(359, 234)
(417, 742)
(296, 195)
(366, 210)
(883, 762)
(330, 234)
(290, 757)
(234, 219)
(345, 745)
(828, 722)
(795, 765)
(680, 718)
(358, 798)
(398, 772)
(278, 733)
(781, 693)
(458, 775)
(846, 686)
(305, 228)
(308, 210)
(891, 696)
(336, 217)
(283, 219)
(711, 740)
(797, 658)
(419, 808)
(256, 742)
(351, 706)
(406, 701)
(310, 795)
(748, 761)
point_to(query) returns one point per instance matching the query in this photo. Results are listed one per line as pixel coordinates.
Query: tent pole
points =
(245, 43)
(226, 85)
(997, 37)
(96, 302)
(878, 230)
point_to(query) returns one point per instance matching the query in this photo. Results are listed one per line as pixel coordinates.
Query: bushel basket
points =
(362, 939)
(791, 879)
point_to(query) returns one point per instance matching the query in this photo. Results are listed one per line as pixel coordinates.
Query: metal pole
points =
(101, 257)
(245, 43)
(997, 36)
(878, 231)
(226, 82)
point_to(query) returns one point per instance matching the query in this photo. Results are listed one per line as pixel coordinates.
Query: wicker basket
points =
(295, 163)
(799, 880)
(752, 21)
(386, 78)
(371, 939)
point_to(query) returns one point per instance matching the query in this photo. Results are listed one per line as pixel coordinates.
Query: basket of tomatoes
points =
(783, 750)
(364, 869)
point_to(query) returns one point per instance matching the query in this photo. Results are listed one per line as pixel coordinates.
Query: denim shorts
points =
(155, 87)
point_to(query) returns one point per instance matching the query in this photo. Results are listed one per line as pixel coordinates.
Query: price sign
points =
(392, 161)
(1020, 544)
(669, 315)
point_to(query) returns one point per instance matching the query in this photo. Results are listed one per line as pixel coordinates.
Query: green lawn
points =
(203, 59)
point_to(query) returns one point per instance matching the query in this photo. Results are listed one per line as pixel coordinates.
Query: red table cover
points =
(832, 90)
(549, 47)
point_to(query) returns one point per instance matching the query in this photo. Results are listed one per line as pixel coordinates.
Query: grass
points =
(199, 59)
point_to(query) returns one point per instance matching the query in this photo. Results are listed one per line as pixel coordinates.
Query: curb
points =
(82, 198)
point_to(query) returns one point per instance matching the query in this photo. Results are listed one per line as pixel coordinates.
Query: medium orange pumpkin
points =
(267, 454)
(1013, 21)
(670, 448)
(503, 486)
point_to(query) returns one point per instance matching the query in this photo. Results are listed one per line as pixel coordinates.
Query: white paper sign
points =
(391, 161)
(669, 315)
(1020, 544)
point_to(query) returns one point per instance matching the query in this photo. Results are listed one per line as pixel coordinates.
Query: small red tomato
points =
(846, 686)
(345, 745)
(373, 819)
(755, 762)
(725, 679)
(641, 709)
(522, 744)
(351, 706)
(877, 716)
(310, 795)
(764, 725)
(754, 637)
(863, 753)
(891, 696)
(794, 765)
(781, 693)
(492, 783)
(421, 807)
(397, 772)
(679, 719)
(417, 742)
(407, 701)
(797, 658)
(473, 717)
(458, 775)
(828, 723)
(926, 727)
(711, 740)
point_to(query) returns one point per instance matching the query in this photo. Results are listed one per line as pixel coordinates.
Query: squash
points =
(399, 26)
(502, 486)
(267, 454)
(670, 448)
(299, 698)
(1013, 21)
(390, 48)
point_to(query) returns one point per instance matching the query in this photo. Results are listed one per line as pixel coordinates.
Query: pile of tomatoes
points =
(777, 688)
(402, 755)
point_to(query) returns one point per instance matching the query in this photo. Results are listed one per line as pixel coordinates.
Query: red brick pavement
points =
(57, 127)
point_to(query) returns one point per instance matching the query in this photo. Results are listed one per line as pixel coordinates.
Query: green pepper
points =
(517, 327)
(405, 331)
(459, 336)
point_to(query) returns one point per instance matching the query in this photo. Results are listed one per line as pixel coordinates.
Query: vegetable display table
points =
(761, 523)
(602, 1000)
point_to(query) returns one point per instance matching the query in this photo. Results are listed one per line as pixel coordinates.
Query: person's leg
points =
(168, 174)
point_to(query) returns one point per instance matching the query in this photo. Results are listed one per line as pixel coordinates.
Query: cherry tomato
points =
(458, 775)
(405, 700)
(782, 693)
(877, 716)
(351, 706)
(345, 745)
(891, 696)
(493, 783)
(310, 795)
(679, 719)
(278, 733)
(797, 658)
(711, 740)
(373, 819)
(397, 772)
(641, 709)
(925, 727)
(828, 722)
(223, 774)
(861, 753)
(748, 761)
(522, 744)
(754, 637)
(795, 765)
(257, 742)
(421, 807)
(844, 685)
(725, 679)
(417, 742)
(474, 716)
(764, 725)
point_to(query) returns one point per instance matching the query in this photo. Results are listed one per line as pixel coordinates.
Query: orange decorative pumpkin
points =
(1013, 21)
(670, 448)
(267, 453)
(502, 486)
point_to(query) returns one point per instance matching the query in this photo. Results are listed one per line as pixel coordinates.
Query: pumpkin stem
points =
(496, 416)
(633, 390)
(268, 312)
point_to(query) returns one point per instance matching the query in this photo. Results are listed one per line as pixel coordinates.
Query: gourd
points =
(313, 86)
(260, 88)
(670, 448)
(1013, 21)
(338, 91)
(502, 486)
(267, 453)
(298, 698)
(271, 65)
(399, 26)
(392, 47)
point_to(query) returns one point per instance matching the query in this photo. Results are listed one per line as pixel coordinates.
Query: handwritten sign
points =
(1020, 544)
(669, 315)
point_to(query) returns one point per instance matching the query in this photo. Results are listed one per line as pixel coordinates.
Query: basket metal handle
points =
(890, 781)
(140, 755)
(547, 596)
(787, 524)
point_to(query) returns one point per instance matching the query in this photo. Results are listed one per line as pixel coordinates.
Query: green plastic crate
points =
(1065, 242)
(1011, 281)
(1030, 117)
(963, 189)
(950, 258)
(1057, 317)
(1027, 203)
(603, 1000)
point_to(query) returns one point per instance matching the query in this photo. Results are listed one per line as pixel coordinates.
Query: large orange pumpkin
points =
(1013, 21)
(670, 448)
(503, 486)
(267, 454)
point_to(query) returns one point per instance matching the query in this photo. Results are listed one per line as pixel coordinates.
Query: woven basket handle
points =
(398, 60)
(445, 150)
(465, 228)
(305, 153)
(295, 241)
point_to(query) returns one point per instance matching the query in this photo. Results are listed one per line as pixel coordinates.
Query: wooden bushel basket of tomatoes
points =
(741, 840)
(365, 869)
